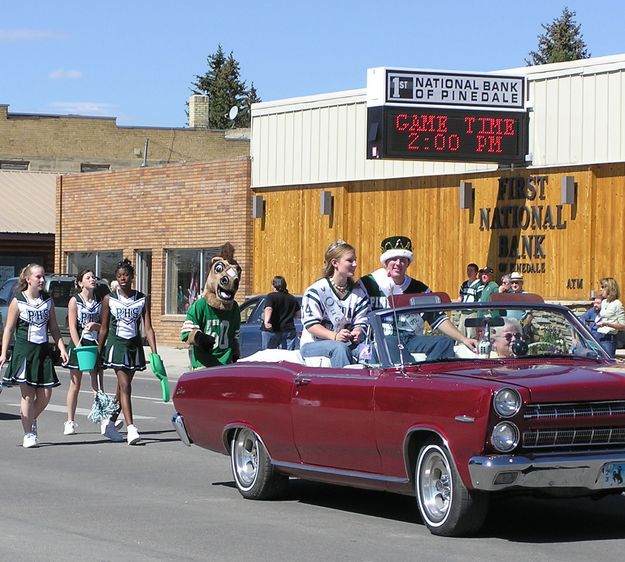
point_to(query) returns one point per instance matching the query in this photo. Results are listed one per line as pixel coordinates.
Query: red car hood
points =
(559, 382)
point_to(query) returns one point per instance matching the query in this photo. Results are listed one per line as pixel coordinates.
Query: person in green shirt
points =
(488, 284)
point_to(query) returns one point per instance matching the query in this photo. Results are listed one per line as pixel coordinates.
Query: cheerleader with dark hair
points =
(120, 339)
(83, 318)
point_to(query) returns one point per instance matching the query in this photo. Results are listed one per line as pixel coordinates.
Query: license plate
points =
(613, 475)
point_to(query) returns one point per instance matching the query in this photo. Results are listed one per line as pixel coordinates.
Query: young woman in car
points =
(334, 309)
(120, 338)
(31, 314)
(83, 314)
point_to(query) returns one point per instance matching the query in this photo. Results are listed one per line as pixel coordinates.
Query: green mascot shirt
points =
(223, 325)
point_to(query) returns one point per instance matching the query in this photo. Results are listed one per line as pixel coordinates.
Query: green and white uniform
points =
(31, 362)
(223, 325)
(124, 347)
(85, 312)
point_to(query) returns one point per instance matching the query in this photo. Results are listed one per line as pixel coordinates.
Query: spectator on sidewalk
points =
(469, 292)
(488, 285)
(505, 284)
(612, 315)
(281, 309)
(592, 316)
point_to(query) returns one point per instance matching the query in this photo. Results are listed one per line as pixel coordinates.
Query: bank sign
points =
(425, 87)
(484, 90)
(425, 115)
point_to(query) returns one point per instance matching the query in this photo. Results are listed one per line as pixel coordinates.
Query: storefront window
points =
(107, 262)
(186, 273)
(103, 264)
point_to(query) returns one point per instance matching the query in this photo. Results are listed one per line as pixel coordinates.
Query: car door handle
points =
(300, 381)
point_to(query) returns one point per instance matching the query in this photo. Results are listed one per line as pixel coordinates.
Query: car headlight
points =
(507, 402)
(505, 437)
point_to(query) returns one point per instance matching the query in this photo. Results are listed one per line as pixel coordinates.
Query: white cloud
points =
(62, 73)
(83, 108)
(14, 35)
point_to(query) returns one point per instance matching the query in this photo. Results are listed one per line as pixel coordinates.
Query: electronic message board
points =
(431, 133)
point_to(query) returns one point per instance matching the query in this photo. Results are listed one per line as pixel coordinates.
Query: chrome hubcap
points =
(245, 456)
(436, 484)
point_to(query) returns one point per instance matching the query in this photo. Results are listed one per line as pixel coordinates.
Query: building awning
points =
(27, 202)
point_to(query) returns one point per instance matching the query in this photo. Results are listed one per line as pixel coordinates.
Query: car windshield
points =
(417, 334)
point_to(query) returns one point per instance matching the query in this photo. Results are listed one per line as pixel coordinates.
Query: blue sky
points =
(136, 60)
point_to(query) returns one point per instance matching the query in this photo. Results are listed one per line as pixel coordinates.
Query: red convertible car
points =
(538, 408)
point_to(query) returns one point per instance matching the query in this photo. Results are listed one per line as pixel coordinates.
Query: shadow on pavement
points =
(520, 519)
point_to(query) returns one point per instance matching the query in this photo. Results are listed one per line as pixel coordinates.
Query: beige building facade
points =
(72, 143)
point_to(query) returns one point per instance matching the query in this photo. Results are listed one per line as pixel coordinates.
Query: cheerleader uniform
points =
(86, 312)
(31, 362)
(124, 346)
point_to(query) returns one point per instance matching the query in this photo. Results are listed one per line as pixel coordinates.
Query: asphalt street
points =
(82, 497)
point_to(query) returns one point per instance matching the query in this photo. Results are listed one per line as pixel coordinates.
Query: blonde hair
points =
(336, 251)
(26, 272)
(612, 290)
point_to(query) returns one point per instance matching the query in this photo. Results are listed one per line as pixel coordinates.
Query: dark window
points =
(94, 167)
(14, 164)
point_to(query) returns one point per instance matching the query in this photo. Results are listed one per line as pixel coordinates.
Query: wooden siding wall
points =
(586, 245)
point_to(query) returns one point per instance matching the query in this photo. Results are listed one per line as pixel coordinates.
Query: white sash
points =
(333, 309)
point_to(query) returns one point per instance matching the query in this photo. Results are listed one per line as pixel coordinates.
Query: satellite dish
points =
(232, 114)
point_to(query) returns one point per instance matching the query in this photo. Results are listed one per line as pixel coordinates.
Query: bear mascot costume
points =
(212, 324)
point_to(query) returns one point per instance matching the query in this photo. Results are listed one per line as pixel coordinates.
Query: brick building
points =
(168, 220)
(163, 183)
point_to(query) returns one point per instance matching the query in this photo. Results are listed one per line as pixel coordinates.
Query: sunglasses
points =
(515, 282)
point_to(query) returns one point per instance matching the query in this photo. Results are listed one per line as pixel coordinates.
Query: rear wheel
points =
(254, 475)
(447, 507)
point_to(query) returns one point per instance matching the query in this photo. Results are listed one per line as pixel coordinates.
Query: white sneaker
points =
(30, 440)
(70, 428)
(119, 424)
(132, 435)
(108, 430)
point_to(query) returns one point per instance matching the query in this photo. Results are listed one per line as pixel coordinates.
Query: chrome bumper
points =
(498, 472)
(178, 423)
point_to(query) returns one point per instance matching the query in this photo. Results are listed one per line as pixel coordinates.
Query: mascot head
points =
(223, 279)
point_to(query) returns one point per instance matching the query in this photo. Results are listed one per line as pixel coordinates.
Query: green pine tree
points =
(562, 41)
(223, 85)
(251, 96)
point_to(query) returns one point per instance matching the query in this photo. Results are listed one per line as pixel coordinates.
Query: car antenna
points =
(400, 345)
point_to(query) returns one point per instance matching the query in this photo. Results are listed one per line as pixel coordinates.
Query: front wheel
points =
(254, 475)
(447, 507)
